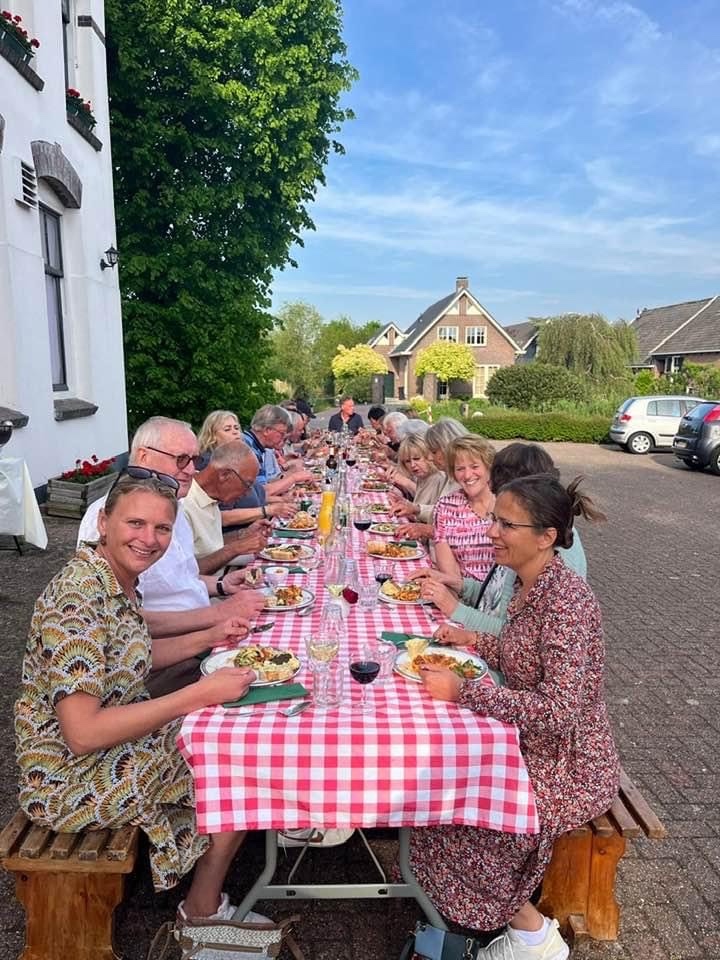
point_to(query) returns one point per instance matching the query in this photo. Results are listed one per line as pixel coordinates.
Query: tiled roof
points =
(381, 333)
(691, 327)
(423, 323)
(522, 333)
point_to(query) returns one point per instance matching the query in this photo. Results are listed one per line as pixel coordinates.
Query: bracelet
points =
(220, 588)
(264, 512)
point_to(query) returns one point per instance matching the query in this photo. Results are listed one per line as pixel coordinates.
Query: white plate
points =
(311, 529)
(402, 661)
(308, 597)
(225, 658)
(417, 554)
(377, 486)
(305, 553)
(399, 603)
(382, 533)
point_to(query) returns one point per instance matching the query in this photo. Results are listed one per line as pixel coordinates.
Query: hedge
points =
(540, 427)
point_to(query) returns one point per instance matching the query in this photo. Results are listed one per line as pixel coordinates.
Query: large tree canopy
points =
(587, 344)
(448, 361)
(223, 114)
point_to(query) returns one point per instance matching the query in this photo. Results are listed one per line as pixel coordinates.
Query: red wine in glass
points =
(364, 672)
(351, 461)
(382, 577)
(363, 524)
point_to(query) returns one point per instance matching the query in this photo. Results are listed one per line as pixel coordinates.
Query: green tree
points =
(294, 344)
(448, 361)
(587, 344)
(534, 386)
(223, 115)
(358, 361)
(336, 333)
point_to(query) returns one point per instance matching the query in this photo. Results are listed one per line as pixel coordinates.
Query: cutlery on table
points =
(258, 628)
(306, 611)
(296, 708)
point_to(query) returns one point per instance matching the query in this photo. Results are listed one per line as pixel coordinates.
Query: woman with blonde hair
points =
(460, 519)
(219, 427)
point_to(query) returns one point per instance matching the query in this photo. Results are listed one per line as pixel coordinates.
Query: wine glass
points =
(364, 672)
(334, 574)
(383, 571)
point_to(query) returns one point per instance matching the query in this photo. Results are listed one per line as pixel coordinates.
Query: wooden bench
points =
(579, 886)
(69, 885)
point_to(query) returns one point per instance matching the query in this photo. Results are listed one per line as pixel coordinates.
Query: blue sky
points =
(563, 154)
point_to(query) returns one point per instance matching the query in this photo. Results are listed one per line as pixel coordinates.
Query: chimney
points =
(461, 284)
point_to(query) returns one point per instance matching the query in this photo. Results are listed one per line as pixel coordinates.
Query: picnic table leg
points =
(411, 880)
(268, 872)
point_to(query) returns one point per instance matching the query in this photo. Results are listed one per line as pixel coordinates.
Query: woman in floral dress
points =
(551, 653)
(93, 749)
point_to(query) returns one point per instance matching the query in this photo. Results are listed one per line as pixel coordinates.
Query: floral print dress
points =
(551, 652)
(86, 636)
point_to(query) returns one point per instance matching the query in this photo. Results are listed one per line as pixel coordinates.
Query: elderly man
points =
(268, 430)
(176, 597)
(346, 418)
(229, 474)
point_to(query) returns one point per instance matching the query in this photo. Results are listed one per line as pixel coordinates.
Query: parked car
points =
(642, 423)
(697, 441)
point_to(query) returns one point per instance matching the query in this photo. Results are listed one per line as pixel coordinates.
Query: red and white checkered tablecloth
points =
(414, 761)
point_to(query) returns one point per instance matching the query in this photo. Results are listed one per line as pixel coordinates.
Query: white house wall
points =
(91, 300)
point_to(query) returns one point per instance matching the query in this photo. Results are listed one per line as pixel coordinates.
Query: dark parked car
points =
(697, 442)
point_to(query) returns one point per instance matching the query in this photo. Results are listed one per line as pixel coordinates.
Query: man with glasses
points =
(176, 596)
(268, 430)
(229, 474)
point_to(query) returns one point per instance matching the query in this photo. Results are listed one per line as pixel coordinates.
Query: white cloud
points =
(615, 188)
(631, 21)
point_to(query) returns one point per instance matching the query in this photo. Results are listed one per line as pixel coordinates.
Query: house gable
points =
(389, 336)
(673, 328)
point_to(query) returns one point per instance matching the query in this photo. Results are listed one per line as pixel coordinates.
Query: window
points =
(476, 336)
(665, 408)
(673, 364)
(450, 334)
(483, 375)
(52, 255)
(67, 37)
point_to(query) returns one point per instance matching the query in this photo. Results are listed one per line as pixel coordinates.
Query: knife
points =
(262, 626)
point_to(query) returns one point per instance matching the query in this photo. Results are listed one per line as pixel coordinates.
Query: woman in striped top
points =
(462, 546)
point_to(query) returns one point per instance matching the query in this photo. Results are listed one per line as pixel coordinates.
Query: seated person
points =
(375, 418)
(428, 482)
(268, 430)
(176, 594)
(230, 473)
(94, 750)
(484, 603)
(552, 654)
(345, 418)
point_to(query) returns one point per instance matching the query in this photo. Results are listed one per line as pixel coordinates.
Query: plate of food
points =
(286, 553)
(288, 598)
(302, 521)
(375, 486)
(391, 550)
(383, 529)
(379, 508)
(419, 652)
(400, 593)
(271, 665)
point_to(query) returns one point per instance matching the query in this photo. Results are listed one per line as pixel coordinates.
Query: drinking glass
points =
(334, 574)
(331, 620)
(383, 571)
(364, 672)
(368, 594)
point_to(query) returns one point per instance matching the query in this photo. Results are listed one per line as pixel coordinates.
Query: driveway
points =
(654, 568)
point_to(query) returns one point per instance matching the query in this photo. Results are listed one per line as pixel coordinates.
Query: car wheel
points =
(694, 465)
(715, 461)
(640, 443)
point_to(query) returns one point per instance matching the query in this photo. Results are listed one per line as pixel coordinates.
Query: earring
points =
(103, 540)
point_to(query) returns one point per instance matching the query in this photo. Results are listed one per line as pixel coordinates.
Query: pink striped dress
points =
(465, 533)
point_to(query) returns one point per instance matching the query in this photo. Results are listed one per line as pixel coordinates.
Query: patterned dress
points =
(457, 525)
(551, 652)
(86, 636)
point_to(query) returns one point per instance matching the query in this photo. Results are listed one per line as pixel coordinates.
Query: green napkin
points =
(400, 639)
(286, 691)
(289, 569)
(405, 543)
(286, 534)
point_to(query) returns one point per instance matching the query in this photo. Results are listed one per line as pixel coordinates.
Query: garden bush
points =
(540, 427)
(534, 386)
(359, 388)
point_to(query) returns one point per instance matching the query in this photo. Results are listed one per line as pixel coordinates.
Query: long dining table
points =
(412, 762)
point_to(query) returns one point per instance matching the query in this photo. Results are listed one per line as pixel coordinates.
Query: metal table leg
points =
(263, 889)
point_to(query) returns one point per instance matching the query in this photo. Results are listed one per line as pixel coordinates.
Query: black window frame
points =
(57, 272)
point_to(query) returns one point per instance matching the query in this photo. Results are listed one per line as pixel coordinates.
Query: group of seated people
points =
(111, 665)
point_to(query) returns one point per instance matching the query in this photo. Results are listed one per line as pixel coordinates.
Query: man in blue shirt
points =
(267, 432)
(346, 418)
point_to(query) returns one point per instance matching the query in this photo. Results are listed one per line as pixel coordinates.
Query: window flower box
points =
(15, 38)
(77, 107)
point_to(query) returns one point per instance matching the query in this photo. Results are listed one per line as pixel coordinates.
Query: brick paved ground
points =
(654, 567)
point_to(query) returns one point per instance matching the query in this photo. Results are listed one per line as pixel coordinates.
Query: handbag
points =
(431, 943)
(213, 939)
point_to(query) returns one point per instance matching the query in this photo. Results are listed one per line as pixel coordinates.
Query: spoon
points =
(307, 611)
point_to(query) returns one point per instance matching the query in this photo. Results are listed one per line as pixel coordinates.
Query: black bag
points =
(431, 943)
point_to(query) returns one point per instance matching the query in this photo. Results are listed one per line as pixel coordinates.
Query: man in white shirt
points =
(176, 596)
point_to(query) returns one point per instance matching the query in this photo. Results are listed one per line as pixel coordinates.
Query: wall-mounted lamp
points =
(112, 258)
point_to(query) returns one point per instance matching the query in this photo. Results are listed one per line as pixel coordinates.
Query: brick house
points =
(458, 318)
(669, 336)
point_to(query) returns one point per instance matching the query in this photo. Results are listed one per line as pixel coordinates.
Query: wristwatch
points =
(220, 588)
(264, 512)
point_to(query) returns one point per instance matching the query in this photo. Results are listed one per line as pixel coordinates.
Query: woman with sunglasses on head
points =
(551, 653)
(93, 749)
(482, 604)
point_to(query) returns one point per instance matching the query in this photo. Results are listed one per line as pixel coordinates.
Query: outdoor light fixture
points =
(112, 259)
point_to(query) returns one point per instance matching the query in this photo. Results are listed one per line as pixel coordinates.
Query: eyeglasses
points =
(142, 473)
(243, 481)
(511, 525)
(181, 459)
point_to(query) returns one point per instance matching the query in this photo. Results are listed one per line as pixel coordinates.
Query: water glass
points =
(329, 684)
(368, 594)
(383, 653)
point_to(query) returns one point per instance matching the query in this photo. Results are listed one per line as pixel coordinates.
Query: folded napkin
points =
(286, 534)
(286, 691)
(406, 543)
(400, 639)
(289, 569)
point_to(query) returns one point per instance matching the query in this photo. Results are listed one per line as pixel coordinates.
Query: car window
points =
(699, 412)
(689, 403)
(667, 408)
(652, 408)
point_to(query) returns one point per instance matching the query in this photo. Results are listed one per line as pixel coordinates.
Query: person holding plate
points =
(93, 749)
(552, 655)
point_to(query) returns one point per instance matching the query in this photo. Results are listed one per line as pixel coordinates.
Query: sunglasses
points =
(142, 473)
(181, 459)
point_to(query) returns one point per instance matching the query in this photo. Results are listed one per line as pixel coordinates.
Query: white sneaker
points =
(509, 946)
(226, 911)
(313, 838)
